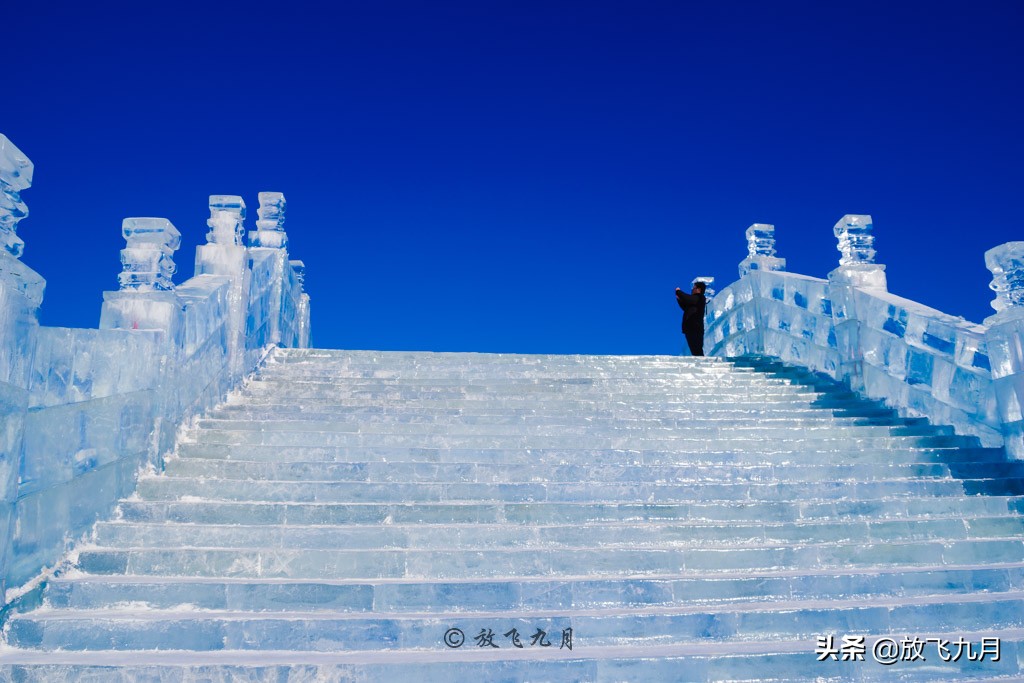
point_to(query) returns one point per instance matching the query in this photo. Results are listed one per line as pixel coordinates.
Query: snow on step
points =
(344, 510)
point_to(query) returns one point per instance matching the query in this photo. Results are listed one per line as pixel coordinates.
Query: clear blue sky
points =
(518, 176)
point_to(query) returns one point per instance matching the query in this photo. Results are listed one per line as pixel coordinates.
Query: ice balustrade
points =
(848, 326)
(82, 410)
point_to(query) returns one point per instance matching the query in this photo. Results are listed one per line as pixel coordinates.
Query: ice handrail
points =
(84, 410)
(918, 360)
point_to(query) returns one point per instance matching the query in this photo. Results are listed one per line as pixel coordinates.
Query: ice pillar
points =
(270, 235)
(21, 293)
(761, 250)
(224, 255)
(1004, 339)
(146, 300)
(269, 230)
(857, 265)
(304, 338)
(857, 270)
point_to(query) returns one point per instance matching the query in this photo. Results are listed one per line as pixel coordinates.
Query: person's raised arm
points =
(684, 299)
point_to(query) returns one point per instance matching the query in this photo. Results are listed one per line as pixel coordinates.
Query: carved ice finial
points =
(761, 250)
(269, 230)
(760, 240)
(856, 243)
(1006, 262)
(227, 213)
(15, 176)
(149, 256)
(271, 211)
(857, 267)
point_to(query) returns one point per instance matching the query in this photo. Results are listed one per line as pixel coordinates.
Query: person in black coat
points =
(693, 316)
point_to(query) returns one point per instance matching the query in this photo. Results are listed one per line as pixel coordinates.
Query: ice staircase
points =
(426, 517)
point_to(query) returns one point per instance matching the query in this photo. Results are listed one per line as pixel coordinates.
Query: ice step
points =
(788, 662)
(128, 535)
(539, 395)
(580, 426)
(244, 413)
(213, 512)
(580, 592)
(333, 631)
(694, 393)
(774, 453)
(409, 412)
(540, 389)
(742, 412)
(168, 488)
(640, 383)
(458, 378)
(717, 439)
(386, 360)
(767, 534)
(313, 563)
(398, 471)
(549, 401)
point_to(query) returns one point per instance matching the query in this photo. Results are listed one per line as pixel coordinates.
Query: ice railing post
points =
(270, 235)
(303, 336)
(734, 323)
(21, 293)
(146, 299)
(1004, 339)
(857, 270)
(224, 255)
(761, 250)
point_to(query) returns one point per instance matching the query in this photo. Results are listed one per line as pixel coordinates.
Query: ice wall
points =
(82, 410)
(917, 359)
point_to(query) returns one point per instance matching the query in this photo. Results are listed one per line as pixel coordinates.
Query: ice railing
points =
(82, 410)
(916, 359)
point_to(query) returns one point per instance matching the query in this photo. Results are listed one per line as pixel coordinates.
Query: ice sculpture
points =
(149, 257)
(269, 230)
(761, 250)
(15, 176)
